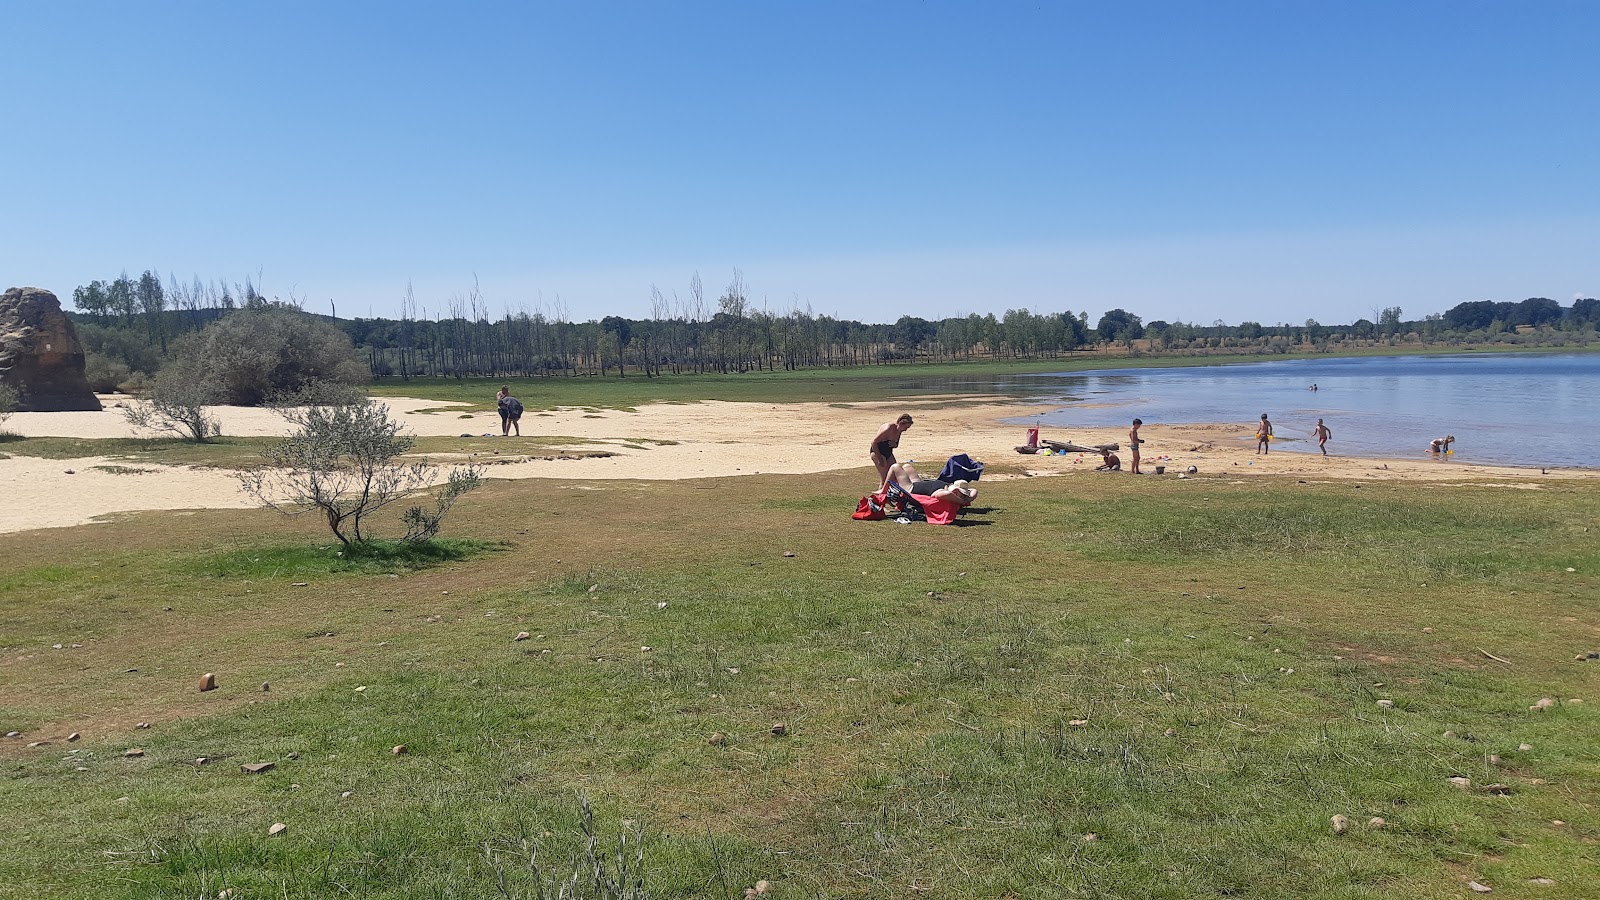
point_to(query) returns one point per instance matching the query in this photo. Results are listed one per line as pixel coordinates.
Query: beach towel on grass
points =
(939, 510)
(961, 467)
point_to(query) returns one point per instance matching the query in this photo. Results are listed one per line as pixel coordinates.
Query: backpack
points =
(514, 407)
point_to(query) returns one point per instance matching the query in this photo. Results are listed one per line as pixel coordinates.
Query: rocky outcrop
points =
(39, 353)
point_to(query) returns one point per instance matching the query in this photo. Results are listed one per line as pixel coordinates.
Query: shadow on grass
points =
(369, 558)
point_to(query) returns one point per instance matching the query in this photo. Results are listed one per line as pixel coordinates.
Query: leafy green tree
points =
(92, 298)
(1119, 325)
(252, 354)
(1389, 320)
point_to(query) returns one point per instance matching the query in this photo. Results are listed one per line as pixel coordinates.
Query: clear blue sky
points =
(1266, 160)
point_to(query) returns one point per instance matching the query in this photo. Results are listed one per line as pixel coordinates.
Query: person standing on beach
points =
(1133, 445)
(1263, 435)
(1322, 433)
(884, 444)
(510, 411)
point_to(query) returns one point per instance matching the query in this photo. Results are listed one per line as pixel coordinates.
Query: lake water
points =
(1511, 409)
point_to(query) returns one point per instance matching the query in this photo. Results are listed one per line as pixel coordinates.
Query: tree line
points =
(128, 325)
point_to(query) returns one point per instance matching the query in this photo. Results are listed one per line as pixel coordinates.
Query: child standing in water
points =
(1322, 433)
(1263, 435)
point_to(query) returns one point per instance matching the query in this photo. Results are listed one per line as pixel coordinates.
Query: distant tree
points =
(1470, 316)
(1389, 320)
(93, 299)
(252, 354)
(1537, 311)
(1250, 331)
(1363, 329)
(344, 461)
(121, 300)
(1119, 325)
(1586, 311)
(152, 301)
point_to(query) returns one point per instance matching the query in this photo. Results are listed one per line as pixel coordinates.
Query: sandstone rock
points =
(522, 636)
(133, 753)
(400, 749)
(717, 739)
(277, 828)
(73, 736)
(13, 734)
(1376, 822)
(1461, 782)
(257, 768)
(40, 355)
(1480, 887)
(1340, 824)
(1524, 747)
(1386, 704)
(265, 687)
(208, 682)
(780, 729)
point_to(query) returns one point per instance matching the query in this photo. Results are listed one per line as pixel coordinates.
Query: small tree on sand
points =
(178, 405)
(9, 401)
(344, 461)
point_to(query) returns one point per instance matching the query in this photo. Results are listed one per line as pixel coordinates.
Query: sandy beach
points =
(710, 439)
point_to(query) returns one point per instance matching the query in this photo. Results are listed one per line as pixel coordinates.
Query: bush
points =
(178, 405)
(10, 399)
(254, 354)
(344, 461)
(104, 373)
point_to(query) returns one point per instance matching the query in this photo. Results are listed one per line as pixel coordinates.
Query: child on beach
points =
(1133, 443)
(1263, 435)
(1110, 462)
(1441, 445)
(1322, 433)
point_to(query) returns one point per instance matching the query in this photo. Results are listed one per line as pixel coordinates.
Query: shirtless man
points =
(1133, 443)
(883, 446)
(1322, 433)
(1263, 435)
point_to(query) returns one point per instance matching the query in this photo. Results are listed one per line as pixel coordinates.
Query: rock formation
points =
(39, 353)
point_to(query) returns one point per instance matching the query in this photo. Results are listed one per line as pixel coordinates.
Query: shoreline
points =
(674, 441)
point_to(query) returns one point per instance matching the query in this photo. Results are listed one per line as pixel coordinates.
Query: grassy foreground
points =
(1104, 687)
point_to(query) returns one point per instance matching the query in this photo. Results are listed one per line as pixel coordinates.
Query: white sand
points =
(714, 439)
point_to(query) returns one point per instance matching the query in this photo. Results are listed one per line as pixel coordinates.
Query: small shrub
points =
(344, 461)
(177, 405)
(10, 399)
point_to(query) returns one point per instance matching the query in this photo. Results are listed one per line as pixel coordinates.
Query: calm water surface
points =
(1512, 409)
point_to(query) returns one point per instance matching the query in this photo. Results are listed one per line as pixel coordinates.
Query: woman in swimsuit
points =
(884, 444)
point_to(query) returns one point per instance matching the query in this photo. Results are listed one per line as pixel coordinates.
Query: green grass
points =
(369, 558)
(963, 705)
(222, 452)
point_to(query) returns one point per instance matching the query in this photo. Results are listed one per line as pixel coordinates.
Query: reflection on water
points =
(1514, 409)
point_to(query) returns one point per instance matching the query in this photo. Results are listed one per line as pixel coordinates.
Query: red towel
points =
(940, 510)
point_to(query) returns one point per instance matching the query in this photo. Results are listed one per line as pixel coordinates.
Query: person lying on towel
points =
(903, 494)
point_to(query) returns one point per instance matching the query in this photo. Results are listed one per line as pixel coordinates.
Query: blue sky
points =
(1185, 161)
